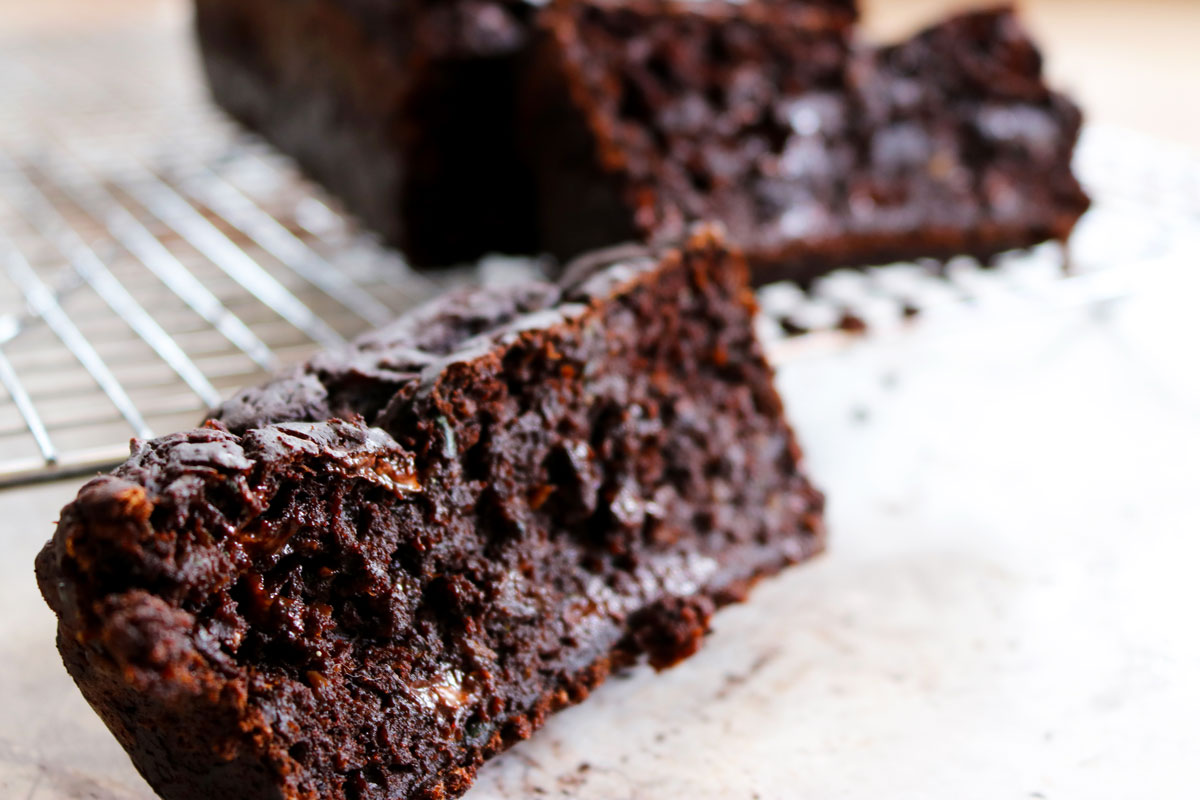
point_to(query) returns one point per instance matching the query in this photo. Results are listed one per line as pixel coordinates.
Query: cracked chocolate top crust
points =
(372, 573)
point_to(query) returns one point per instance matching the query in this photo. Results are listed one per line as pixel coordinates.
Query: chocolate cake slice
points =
(644, 115)
(405, 109)
(369, 575)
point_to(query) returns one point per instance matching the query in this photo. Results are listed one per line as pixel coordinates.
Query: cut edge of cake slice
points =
(815, 152)
(370, 608)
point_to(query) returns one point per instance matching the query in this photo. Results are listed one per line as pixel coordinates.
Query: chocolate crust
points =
(538, 489)
(403, 110)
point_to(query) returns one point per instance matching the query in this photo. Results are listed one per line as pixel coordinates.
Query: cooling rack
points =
(153, 258)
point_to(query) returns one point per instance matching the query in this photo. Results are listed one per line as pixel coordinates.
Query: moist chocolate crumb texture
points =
(643, 115)
(367, 576)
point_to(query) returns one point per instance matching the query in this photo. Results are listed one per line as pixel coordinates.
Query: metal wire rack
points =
(153, 258)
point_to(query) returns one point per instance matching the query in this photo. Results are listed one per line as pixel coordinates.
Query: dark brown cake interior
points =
(814, 155)
(643, 116)
(571, 475)
(958, 147)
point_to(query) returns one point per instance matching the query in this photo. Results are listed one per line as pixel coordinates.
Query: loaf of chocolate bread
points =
(367, 576)
(641, 116)
(464, 127)
(404, 109)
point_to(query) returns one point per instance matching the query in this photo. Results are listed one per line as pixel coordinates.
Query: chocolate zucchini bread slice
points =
(405, 109)
(641, 116)
(369, 575)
